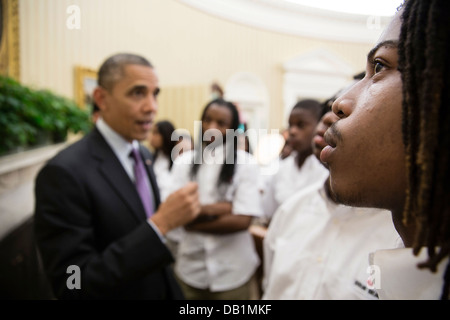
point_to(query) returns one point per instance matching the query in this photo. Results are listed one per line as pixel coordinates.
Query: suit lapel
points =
(113, 172)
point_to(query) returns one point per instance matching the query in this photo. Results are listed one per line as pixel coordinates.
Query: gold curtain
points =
(9, 45)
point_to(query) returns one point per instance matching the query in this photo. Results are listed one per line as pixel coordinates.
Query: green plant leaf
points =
(27, 115)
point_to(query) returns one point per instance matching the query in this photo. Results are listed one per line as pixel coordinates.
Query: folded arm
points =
(218, 219)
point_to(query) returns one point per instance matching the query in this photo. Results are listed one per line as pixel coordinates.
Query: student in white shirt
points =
(390, 148)
(162, 144)
(300, 168)
(163, 141)
(317, 249)
(216, 258)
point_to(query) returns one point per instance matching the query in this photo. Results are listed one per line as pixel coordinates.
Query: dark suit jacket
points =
(89, 214)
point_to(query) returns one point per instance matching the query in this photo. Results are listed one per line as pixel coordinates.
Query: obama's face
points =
(130, 106)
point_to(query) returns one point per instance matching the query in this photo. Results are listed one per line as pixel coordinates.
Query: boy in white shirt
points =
(300, 169)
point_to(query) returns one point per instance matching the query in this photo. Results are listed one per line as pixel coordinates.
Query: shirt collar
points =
(120, 146)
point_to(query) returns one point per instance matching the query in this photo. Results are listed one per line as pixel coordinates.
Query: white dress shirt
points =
(398, 278)
(290, 179)
(317, 249)
(219, 262)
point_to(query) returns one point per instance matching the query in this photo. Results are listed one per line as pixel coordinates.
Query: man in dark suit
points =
(89, 215)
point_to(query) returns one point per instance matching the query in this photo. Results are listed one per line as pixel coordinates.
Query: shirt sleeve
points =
(180, 173)
(269, 203)
(269, 243)
(247, 196)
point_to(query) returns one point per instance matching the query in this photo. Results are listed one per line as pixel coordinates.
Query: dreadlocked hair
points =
(425, 68)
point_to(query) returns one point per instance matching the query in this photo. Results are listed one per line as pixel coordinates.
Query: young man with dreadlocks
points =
(390, 149)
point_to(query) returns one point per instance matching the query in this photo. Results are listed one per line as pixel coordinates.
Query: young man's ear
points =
(99, 96)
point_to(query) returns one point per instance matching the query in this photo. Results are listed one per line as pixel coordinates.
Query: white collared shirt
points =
(289, 179)
(219, 262)
(398, 278)
(316, 249)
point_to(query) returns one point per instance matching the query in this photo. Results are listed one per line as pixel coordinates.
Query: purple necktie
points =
(141, 183)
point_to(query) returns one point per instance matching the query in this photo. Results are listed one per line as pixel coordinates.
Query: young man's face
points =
(302, 124)
(130, 106)
(366, 156)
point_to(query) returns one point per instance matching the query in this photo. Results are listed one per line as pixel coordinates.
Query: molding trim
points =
(317, 74)
(20, 160)
(294, 19)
